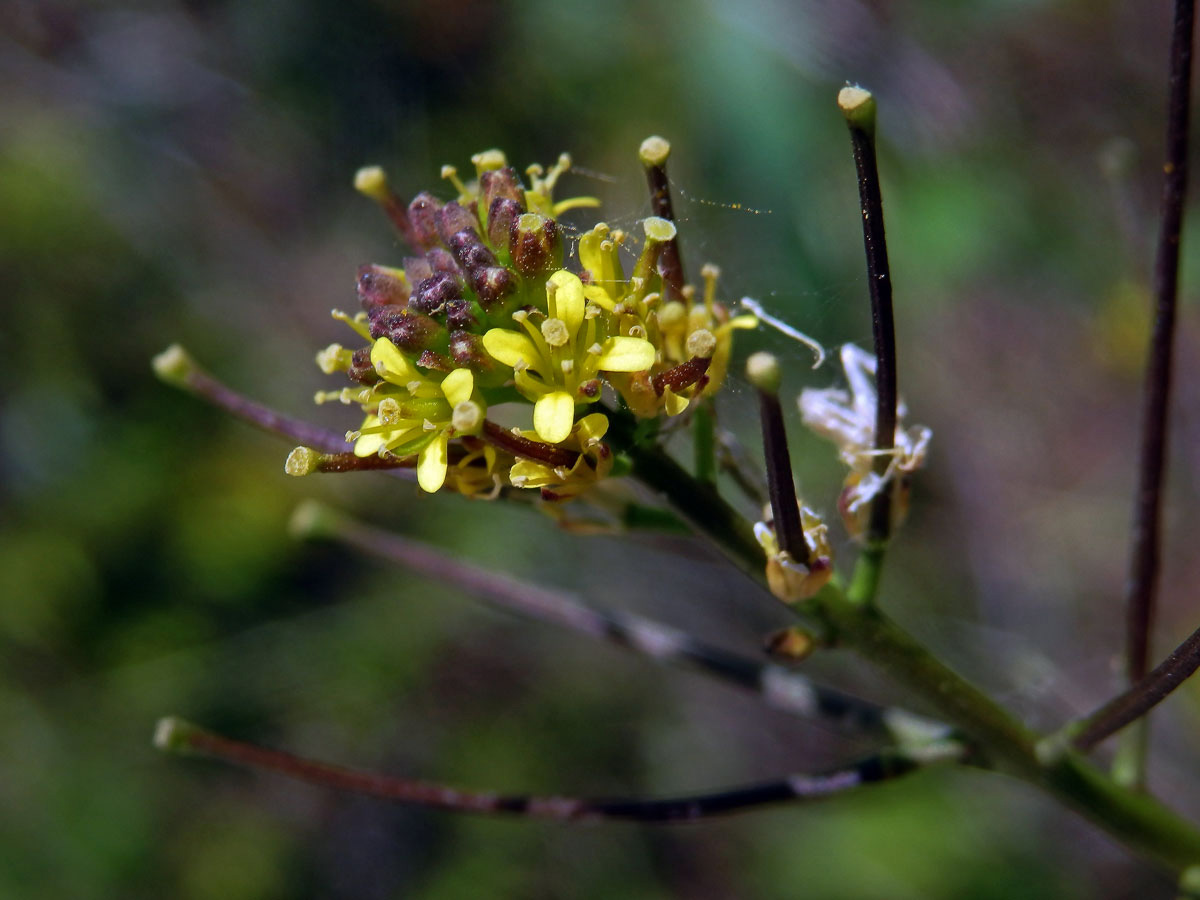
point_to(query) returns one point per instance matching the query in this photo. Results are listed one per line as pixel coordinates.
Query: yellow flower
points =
(417, 413)
(594, 462)
(556, 362)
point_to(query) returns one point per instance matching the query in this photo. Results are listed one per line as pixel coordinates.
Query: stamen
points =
(779, 325)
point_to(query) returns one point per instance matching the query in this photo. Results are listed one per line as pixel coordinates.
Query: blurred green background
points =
(182, 172)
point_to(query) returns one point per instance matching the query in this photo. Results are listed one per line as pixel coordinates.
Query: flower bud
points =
(453, 218)
(361, 368)
(422, 214)
(405, 328)
(502, 213)
(501, 183)
(467, 351)
(460, 316)
(469, 251)
(380, 317)
(535, 245)
(381, 286)
(493, 284)
(432, 294)
(417, 269)
(440, 260)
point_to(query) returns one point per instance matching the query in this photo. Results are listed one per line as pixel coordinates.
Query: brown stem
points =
(785, 507)
(879, 281)
(184, 737)
(1147, 520)
(517, 445)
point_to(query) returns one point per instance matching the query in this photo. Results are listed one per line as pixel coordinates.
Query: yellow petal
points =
(673, 402)
(553, 416)
(599, 296)
(391, 364)
(568, 299)
(458, 386)
(626, 354)
(592, 427)
(431, 465)
(743, 322)
(510, 347)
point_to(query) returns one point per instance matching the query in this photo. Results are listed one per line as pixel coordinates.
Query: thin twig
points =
(176, 367)
(1147, 517)
(778, 687)
(858, 106)
(177, 736)
(1139, 699)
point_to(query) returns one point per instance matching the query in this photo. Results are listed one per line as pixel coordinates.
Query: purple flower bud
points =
(422, 213)
(412, 331)
(470, 251)
(380, 318)
(493, 284)
(453, 218)
(434, 293)
(361, 368)
(459, 316)
(467, 351)
(501, 183)
(535, 247)
(501, 215)
(417, 269)
(441, 261)
(380, 286)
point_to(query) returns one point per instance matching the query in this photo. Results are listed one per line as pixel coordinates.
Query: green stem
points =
(864, 583)
(704, 442)
(1136, 820)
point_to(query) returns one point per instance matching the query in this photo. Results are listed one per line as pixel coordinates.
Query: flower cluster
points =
(487, 315)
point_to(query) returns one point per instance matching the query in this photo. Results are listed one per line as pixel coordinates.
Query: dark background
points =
(182, 172)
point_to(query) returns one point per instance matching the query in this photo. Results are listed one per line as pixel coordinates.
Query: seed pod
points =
(432, 294)
(453, 218)
(422, 214)
(381, 286)
(535, 247)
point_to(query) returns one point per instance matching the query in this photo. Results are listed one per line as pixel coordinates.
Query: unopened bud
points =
(380, 286)
(467, 351)
(432, 294)
(535, 247)
(361, 368)
(440, 260)
(412, 331)
(502, 213)
(422, 213)
(460, 316)
(762, 371)
(499, 183)
(492, 284)
(453, 218)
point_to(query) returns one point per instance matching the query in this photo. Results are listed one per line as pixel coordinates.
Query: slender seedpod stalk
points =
(1147, 516)
(858, 106)
(762, 369)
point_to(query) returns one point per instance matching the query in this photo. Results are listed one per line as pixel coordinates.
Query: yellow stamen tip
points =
(370, 181)
(654, 151)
